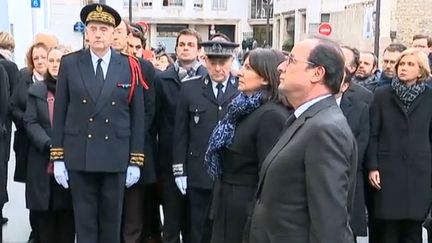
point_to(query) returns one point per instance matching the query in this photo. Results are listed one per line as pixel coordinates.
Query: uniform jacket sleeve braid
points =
(60, 111)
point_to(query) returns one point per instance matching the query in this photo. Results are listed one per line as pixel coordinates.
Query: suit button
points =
(84, 101)
(90, 119)
(191, 153)
(89, 136)
(220, 108)
(113, 103)
(107, 121)
(106, 137)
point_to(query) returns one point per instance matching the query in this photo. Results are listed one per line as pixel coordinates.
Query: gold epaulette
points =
(137, 159)
(56, 154)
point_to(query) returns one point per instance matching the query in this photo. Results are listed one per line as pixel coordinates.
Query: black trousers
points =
(175, 213)
(55, 226)
(133, 214)
(199, 206)
(98, 202)
(152, 220)
(398, 231)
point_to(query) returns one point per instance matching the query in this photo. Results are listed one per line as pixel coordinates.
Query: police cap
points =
(100, 13)
(219, 48)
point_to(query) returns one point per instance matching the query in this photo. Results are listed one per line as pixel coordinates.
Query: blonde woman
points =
(399, 154)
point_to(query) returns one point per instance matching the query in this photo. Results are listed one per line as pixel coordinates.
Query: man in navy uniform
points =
(202, 104)
(168, 85)
(98, 142)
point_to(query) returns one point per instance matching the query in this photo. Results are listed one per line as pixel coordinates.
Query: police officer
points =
(98, 142)
(202, 103)
(168, 83)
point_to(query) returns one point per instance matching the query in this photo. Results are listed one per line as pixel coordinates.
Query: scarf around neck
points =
(407, 94)
(223, 134)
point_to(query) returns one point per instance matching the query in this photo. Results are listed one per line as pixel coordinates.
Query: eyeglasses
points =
(292, 60)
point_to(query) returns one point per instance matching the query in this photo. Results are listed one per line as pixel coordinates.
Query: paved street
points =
(18, 229)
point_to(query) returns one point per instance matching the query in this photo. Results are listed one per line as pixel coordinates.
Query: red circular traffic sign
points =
(325, 29)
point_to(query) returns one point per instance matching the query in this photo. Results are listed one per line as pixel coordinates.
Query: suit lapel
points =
(114, 69)
(88, 76)
(290, 132)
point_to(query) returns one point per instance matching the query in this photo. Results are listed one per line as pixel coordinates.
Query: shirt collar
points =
(106, 58)
(301, 109)
(224, 83)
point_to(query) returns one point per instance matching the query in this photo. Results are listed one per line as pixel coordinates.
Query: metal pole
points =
(377, 27)
(267, 8)
(130, 11)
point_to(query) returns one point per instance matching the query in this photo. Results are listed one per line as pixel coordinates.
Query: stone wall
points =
(411, 17)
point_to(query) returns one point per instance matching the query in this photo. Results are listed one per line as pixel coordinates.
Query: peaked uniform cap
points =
(100, 13)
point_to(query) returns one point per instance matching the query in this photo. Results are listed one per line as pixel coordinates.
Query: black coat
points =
(400, 149)
(17, 108)
(198, 112)
(148, 171)
(4, 133)
(42, 192)
(241, 162)
(167, 85)
(12, 73)
(355, 106)
(98, 129)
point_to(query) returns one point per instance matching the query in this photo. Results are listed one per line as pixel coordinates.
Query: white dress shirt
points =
(301, 109)
(105, 61)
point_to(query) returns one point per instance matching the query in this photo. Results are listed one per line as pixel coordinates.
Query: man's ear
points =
(318, 74)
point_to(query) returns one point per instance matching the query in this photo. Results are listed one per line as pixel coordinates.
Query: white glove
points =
(132, 175)
(181, 182)
(60, 174)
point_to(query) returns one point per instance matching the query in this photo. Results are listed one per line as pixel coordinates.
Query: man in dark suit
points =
(168, 85)
(202, 104)
(354, 101)
(307, 181)
(137, 197)
(98, 142)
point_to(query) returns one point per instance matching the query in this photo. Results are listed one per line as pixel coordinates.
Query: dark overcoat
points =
(167, 90)
(42, 192)
(400, 149)
(17, 108)
(254, 137)
(355, 106)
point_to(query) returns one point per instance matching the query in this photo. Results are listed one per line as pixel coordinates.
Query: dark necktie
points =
(99, 74)
(219, 93)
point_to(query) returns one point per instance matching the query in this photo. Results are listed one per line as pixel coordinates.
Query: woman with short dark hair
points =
(242, 140)
(399, 153)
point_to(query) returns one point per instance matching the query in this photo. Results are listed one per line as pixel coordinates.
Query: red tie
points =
(50, 101)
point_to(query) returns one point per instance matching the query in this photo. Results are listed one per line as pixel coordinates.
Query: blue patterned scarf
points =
(407, 94)
(223, 133)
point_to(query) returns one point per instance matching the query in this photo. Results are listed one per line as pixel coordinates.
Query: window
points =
(325, 18)
(147, 3)
(168, 3)
(198, 4)
(135, 3)
(219, 4)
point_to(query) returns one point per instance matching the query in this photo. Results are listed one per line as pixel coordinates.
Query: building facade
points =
(352, 21)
